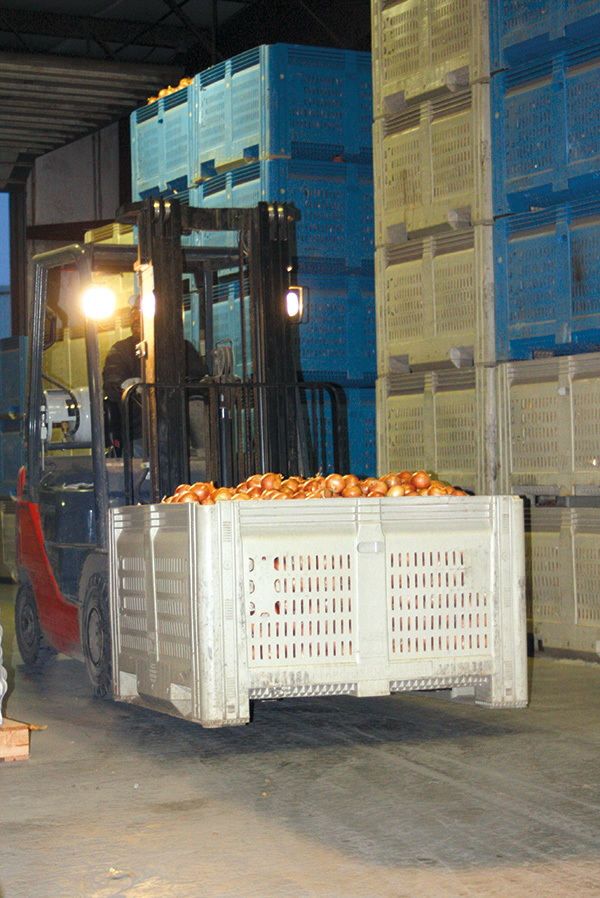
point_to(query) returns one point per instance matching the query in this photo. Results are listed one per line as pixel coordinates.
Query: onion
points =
(335, 483)
(323, 493)
(188, 496)
(271, 486)
(202, 490)
(270, 481)
(222, 494)
(421, 480)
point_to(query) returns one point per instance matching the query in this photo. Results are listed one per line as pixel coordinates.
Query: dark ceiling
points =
(69, 67)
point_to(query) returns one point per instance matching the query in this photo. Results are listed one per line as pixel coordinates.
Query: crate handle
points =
(375, 548)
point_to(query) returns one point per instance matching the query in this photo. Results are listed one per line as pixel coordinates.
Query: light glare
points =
(293, 304)
(148, 305)
(98, 302)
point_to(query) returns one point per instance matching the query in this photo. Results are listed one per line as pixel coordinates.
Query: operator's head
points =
(135, 318)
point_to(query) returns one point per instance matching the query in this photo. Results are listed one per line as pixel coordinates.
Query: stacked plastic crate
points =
(434, 239)
(546, 154)
(291, 124)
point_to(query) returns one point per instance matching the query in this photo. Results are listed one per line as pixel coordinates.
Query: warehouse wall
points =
(78, 182)
(81, 182)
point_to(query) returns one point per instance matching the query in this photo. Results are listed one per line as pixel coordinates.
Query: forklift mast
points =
(267, 251)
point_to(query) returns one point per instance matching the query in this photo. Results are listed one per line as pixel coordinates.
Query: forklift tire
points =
(34, 649)
(95, 635)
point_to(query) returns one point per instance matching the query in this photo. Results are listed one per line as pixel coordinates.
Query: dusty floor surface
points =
(402, 797)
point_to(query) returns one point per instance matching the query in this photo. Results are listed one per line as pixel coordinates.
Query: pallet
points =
(14, 740)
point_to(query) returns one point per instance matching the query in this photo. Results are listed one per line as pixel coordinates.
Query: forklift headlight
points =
(98, 302)
(295, 302)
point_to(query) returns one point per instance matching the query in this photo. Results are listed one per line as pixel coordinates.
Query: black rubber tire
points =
(95, 635)
(34, 649)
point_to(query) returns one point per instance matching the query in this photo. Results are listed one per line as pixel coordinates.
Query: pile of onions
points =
(185, 82)
(334, 486)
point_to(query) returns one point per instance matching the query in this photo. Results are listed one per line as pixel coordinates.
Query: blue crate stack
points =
(285, 123)
(546, 152)
(487, 206)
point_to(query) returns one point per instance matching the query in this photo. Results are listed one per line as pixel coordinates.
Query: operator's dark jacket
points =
(122, 363)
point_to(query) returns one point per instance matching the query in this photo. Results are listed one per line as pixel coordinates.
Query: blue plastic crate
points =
(362, 432)
(337, 340)
(335, 201)
(547, 272)
(161, 141)
(13, 376)
(227, 325)
(524, 29)
(282, 101)
(546, 131)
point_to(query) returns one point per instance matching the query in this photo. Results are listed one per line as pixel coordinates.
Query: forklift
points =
(80, 457)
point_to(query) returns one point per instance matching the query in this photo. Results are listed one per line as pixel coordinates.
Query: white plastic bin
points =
(432, 166)
(435, 299)
(422, 46)
(214, 606)
(443, 421)
(563, 548)
(550, 425)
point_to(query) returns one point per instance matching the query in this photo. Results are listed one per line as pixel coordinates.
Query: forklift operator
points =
(122, 368)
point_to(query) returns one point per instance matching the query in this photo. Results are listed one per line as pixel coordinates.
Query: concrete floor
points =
(409, 796)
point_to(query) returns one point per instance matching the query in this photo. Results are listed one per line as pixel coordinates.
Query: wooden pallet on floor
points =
(14, 740)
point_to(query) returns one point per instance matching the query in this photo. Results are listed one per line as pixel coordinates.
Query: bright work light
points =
(98, 302)
(294, 302)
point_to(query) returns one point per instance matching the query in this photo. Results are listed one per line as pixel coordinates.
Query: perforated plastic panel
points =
(546, 275)
(432, 607)
(432, 165)
(542, 534)
(335, 201)
(361, 597)
(404, 430)
(300, 606)
(161, 140)
(435, 295)
(282, 101)
(546, 143)
(437, 421)
(550, 424)
(337, 341)
(524, 29)
(565, 561)
(423, 45)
